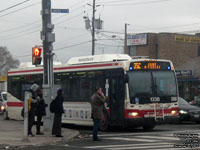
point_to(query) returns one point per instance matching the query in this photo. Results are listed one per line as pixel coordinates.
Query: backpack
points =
(53, 106)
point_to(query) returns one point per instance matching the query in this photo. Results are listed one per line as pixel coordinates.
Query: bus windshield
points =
(151, 84)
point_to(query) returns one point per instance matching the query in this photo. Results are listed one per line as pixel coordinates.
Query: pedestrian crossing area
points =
(137, 141)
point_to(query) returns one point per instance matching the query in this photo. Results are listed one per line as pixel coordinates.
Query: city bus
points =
(139, 91)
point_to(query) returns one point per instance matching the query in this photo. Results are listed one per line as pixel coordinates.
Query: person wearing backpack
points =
(58, 111)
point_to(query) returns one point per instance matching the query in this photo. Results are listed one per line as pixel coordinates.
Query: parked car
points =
(188, 112)
(195, 102)
(3, 105)
(3, 100)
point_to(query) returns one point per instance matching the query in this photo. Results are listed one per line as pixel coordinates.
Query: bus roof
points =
(98, 59)
(30, 65)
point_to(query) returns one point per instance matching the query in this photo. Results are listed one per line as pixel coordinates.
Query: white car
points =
(3, 100)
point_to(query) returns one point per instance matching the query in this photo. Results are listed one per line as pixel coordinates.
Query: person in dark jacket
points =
(57, 122)
(31, 115)
(97, 102)
(40, 112)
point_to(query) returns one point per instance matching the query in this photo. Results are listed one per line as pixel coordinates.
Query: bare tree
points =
(7, 61)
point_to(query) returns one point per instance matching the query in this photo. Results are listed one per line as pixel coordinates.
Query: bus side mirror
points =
(126, 78)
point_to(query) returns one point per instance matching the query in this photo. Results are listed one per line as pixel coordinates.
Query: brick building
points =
(182, 49)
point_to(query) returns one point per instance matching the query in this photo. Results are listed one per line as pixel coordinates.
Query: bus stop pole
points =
(26, 101)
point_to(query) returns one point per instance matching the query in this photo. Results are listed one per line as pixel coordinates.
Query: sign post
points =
(26, 109)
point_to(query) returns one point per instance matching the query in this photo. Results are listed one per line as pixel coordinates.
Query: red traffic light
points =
(37, 51)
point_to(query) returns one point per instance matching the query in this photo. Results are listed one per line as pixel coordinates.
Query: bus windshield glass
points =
(151, 84)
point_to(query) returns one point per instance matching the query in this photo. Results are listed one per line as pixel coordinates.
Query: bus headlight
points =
(173, 112)
(183, 112)
(2, 108)
(133, 114)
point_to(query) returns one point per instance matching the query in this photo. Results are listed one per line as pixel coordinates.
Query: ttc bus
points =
(139, 91)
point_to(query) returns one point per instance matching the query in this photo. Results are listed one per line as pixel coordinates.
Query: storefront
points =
(188, 85)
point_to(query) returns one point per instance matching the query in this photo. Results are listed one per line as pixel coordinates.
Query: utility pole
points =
(47, 38)
(126, 50)
(93, 29)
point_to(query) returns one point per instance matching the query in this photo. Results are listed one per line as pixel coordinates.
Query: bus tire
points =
(104, 124)
(148, 125)
(5, 115)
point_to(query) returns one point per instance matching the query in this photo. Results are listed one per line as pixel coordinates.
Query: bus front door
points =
(116, 100)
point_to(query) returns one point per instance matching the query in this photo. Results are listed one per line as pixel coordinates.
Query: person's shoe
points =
(96, 139)
(31, 135)
(59, 136)
(39, 133)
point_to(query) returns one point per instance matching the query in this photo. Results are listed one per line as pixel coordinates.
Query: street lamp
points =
(116, 36)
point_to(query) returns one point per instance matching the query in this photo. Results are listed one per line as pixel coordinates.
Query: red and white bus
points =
(139, 90)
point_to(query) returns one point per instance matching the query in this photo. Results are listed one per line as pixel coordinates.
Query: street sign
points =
(60, 10)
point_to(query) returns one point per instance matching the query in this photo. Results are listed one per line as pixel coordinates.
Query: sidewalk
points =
(12, 134)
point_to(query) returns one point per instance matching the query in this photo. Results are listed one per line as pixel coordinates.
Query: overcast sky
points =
(20, 25)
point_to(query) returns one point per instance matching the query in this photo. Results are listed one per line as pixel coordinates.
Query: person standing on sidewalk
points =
(59, 110)
(33, 108)
(97, 102)
(40, 111)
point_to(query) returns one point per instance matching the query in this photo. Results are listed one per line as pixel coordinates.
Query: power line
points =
(72, 45)
(139, 3)
(19, 9)
(21, 35)
(32, 24)
(73, 17)
(114, 1)
(197, 23)
(14, 6)
(109, 45)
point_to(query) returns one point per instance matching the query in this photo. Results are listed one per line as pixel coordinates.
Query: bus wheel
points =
(5, 115)
(148, 125)
(104, 124)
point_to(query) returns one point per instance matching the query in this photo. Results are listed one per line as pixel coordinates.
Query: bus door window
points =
(116, 100)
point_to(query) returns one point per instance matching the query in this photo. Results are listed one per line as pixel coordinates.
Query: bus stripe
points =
(15, 104)
(66, 68)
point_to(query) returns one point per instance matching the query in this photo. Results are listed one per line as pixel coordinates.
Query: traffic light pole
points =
(47, 38)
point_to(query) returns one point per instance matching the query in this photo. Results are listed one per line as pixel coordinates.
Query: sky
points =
(21, 23)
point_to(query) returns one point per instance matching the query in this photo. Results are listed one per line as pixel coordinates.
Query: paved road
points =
(163, 137)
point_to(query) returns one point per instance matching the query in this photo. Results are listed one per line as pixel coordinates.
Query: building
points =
(182, 49)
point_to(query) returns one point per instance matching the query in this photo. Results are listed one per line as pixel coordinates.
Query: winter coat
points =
(59, 102)
(33, 102)
(97, 103)
(41, 106)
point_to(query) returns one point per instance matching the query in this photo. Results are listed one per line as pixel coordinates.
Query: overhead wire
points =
(20, 9)
(37, 26)
(57, 49)
(14, 6)
(61, 48)
(115, 1)
(138, 3)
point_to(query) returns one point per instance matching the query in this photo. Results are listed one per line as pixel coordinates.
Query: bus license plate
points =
(196, 116)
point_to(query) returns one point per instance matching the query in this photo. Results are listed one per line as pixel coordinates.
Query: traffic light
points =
(36, 55)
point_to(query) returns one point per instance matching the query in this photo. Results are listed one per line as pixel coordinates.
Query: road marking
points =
(159, 137)
(126, 145)
(142, 147)
(130, 139)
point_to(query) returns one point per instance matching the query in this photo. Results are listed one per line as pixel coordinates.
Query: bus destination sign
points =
(150, 65)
